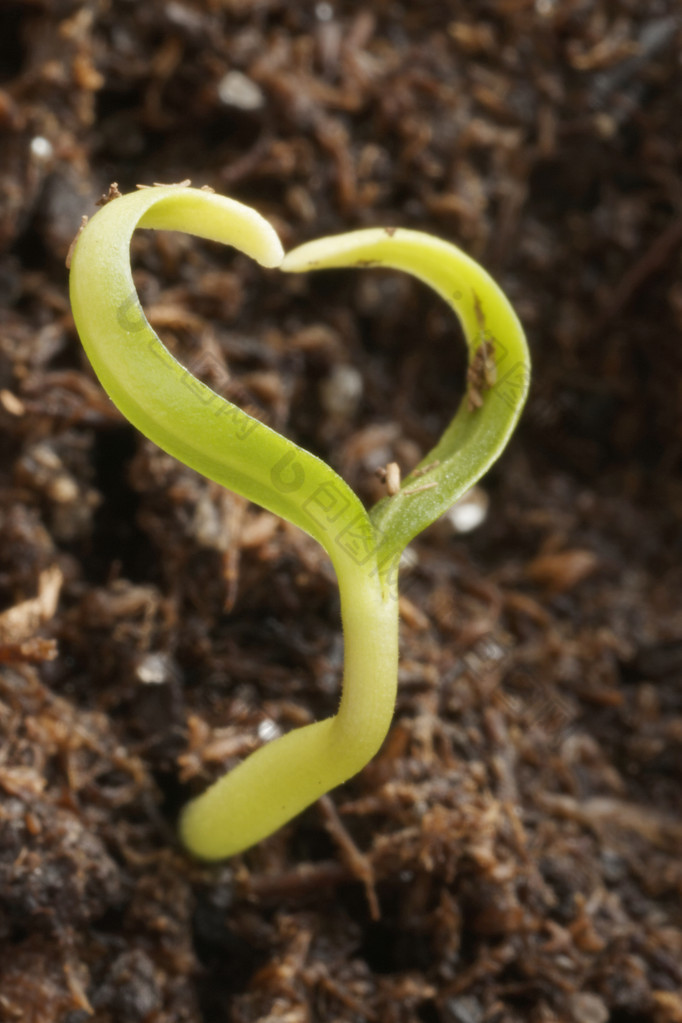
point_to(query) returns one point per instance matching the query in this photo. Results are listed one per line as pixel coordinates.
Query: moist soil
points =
(514, 851)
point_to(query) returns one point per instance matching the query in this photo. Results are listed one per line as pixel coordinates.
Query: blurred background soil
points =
(514, 852)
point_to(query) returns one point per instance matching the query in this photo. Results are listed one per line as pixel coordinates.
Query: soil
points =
(513, 854)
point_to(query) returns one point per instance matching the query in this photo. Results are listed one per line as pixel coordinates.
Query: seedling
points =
(199, 427)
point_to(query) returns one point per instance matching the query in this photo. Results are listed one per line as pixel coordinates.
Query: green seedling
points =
(199, 427)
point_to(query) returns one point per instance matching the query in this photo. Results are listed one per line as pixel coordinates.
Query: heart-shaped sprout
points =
(220, 440)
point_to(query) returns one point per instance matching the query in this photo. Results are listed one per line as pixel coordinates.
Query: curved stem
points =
(162, 399)
(498, 379)
(288, 774)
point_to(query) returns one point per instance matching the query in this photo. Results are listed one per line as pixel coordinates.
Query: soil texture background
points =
(514, 853)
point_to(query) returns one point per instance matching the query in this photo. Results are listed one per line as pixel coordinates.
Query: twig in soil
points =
(358, 864)
(295, 885)
(656, 256)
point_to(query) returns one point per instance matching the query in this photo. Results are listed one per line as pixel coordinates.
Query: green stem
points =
(288, 774)
(160, 397)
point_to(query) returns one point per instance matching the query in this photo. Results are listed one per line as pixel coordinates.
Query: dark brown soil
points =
(515, 852)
